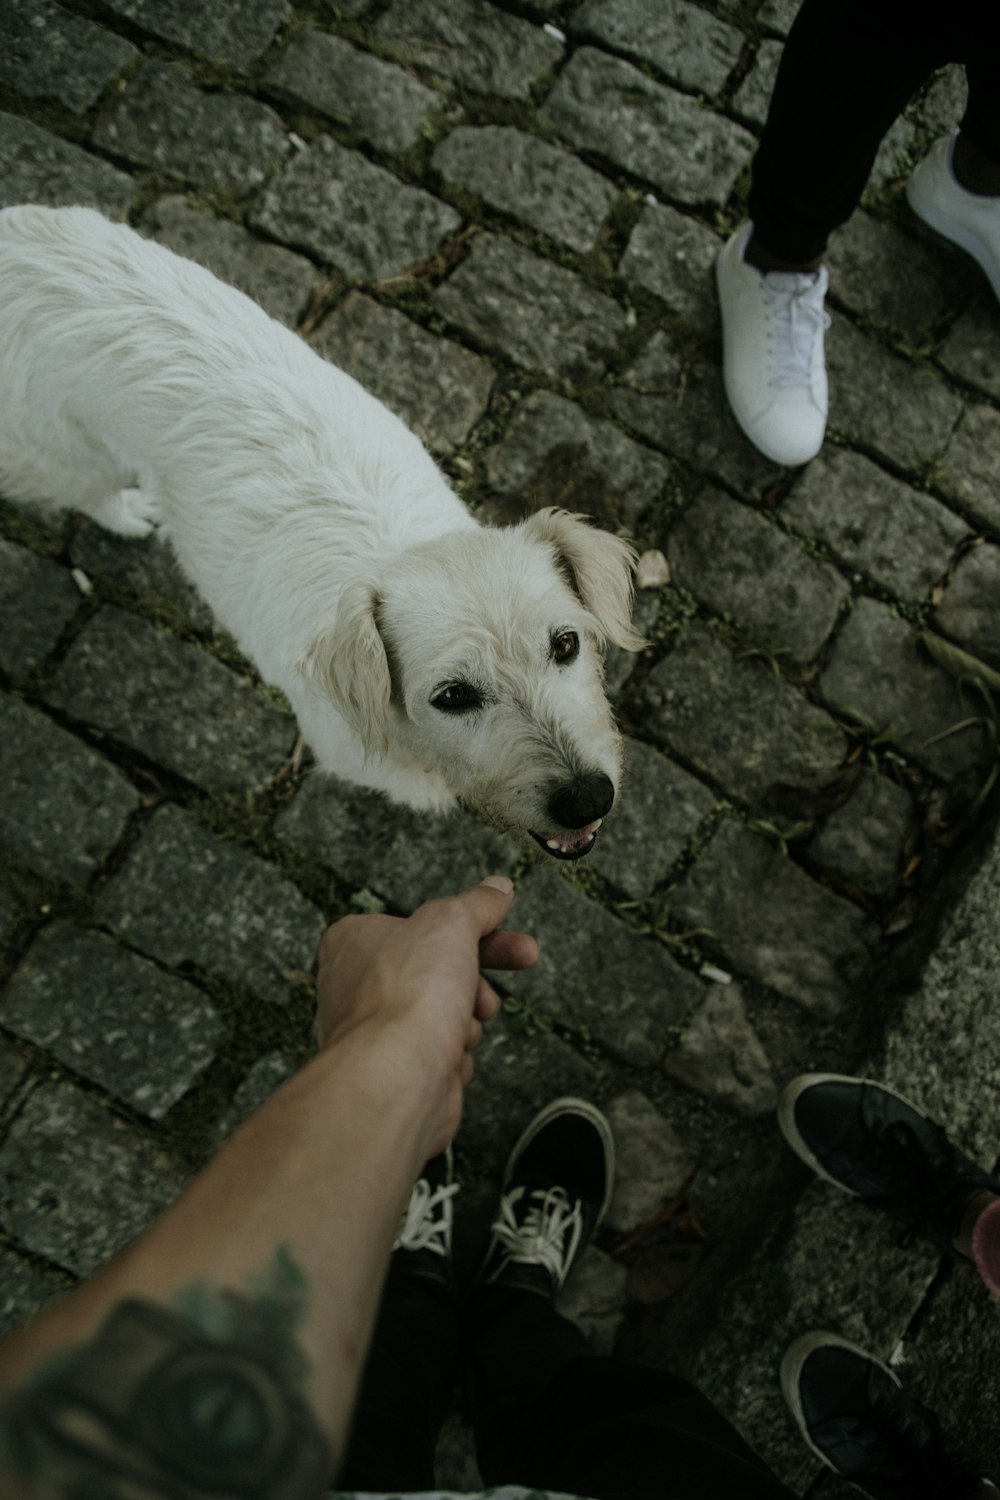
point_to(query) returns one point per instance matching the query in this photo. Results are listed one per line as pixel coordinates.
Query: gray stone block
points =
(113, 1018)
(405, 856)
(674, 399)
(607, 106)
(972, 349)
(673, 256)
(279, 280)
(681, 40)
(752, 99)
(24, 1288)
(778, 15)
(970, 471)
(439, 389)
(229, 914)
(164, 122)
(892, 279)
(882, 402)
(144, 570)
(64, 808)
(538, 314)
(788, 601)
(721, 1056)
(944, 101)
(383, 104)
(469, 42)
(733, 719)
(172, 702)
(659, 808)
(36, 167)
(262, 1080)
(340, 207)
(14, 1072)
(774, 924)
(229, 31)
(78, 1183)
(38, 599)
(866, 839)
(880, 674)
(970, 608)
(553, 453)
(652, 1163)
(597, 975)
(528, 178)
(594, 1298)
(9, 912)
(895, 535)
(45, 53)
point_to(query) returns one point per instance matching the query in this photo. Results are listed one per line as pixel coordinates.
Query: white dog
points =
(425, 655)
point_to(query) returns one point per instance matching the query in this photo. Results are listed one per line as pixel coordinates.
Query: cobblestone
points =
(119, 673)
(345, 209)
(75, 995)
(438, 388)
(165, 122)
(519, 174)
(460, 203)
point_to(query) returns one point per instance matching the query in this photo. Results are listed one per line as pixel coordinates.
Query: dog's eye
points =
(565, 646)
(457, 698)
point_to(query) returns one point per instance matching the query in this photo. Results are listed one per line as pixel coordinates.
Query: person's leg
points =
(415, 1354)
(547, 1412)
(847, 70)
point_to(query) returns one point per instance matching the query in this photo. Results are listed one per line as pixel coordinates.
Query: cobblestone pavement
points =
(501, 217)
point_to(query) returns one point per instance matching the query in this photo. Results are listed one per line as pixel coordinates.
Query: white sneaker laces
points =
(797, 317)
(548, 1234)
(427, 1221)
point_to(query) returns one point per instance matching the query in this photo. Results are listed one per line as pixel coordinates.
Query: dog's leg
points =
(129, 512)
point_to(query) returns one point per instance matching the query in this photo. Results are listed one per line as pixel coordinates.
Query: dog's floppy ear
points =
(348, 663)
(600, 568)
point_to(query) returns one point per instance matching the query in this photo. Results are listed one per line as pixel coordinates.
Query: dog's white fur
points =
(139, 389)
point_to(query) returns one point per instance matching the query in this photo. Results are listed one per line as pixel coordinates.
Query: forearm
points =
(303, 1201)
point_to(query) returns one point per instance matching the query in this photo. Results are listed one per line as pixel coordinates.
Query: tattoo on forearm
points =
(188, 1402)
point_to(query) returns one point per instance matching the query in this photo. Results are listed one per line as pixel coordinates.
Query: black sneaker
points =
(873, 1143)
(423, 1245)
(854, 1415)
(556, 1190)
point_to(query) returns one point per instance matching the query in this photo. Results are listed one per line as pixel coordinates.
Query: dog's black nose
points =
(582, 801)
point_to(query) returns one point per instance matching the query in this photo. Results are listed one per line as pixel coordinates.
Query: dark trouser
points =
(546, 1412)
(848, 69)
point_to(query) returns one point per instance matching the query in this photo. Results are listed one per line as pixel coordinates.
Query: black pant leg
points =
(412, 1365)
(848, 69)
(549, 1414)
(981, 56)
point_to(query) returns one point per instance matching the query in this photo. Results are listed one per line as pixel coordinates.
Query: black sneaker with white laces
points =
(872, 1142)
(423, 1245)
(855, 1416)
(556, 1189)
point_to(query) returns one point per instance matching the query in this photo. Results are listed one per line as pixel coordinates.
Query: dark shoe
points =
(423, 1245)
(854, 1415)
(556, 1190)
(873, 1143)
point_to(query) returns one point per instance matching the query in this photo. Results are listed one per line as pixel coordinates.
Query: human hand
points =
(412, 988)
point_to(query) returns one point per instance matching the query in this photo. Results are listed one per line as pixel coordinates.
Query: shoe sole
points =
(790, 1130)
(956, 234)
(791, 1369)
(569, 1106)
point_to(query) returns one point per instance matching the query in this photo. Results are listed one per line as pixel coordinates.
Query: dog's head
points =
(478, 656)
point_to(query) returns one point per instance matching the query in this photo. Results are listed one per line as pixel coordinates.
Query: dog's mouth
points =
(574, 843)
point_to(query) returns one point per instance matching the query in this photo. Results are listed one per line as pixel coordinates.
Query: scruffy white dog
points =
(425, 655)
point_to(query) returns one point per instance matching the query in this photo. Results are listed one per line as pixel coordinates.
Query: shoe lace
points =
(428, 1218)
(547, 1235)
(797, 317)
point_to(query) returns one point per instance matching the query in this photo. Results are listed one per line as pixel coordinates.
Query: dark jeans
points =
(546, 1412)
(848, 69)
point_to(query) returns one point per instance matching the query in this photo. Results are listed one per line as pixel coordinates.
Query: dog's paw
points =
(130, 512)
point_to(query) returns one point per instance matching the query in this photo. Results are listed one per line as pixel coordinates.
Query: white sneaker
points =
(772, 346)
(969, 220)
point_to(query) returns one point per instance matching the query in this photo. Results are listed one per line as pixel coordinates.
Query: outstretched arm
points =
(226, 1344)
